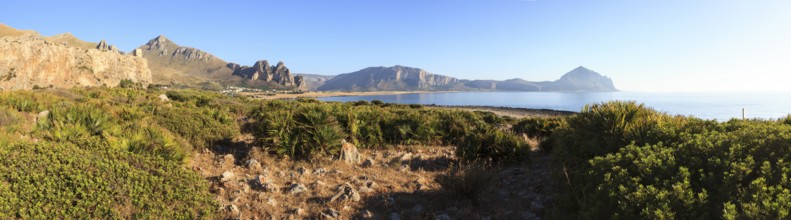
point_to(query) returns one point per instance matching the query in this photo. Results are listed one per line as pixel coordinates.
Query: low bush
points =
(202, 127)
(620, 160)
(494, 146)
(470, 182)
(61, 180)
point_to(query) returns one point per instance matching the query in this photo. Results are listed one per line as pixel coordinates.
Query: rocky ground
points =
(398, 183)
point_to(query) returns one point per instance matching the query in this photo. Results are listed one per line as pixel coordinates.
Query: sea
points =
(721, 106)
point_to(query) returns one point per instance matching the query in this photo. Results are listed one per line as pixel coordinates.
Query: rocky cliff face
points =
(390, 78)
(262, 71)
(30, 60)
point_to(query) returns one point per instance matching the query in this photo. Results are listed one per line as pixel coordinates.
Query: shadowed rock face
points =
(27, 61)
(389, 78)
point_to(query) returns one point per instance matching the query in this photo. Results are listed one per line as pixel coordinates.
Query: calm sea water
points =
(709, 105)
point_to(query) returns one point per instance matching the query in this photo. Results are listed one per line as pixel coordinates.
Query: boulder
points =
(349, 153)
(163, 97)
(233, 209)
(226, 176)
(297, 188)
(368, 163)
(330, 213)
(253, 164)
(346, 193)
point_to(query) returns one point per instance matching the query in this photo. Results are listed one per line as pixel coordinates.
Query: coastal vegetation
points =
(122, 152)
(623, 160)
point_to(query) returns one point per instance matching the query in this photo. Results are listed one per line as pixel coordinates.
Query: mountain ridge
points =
(410, 78)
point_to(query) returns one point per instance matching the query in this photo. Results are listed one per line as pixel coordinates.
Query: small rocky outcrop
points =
(102, 45)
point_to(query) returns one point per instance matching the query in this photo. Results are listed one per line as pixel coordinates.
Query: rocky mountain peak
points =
(160, 43)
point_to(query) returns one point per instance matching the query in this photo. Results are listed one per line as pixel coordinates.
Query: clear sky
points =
(644, 45)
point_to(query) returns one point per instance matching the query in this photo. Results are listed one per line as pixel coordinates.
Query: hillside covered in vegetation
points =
(126, 153)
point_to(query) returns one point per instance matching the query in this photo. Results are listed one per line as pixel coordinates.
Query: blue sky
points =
(644, 45)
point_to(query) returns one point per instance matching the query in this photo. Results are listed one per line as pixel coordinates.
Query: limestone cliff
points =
(31, 60)
(390, 78)
(262, 71)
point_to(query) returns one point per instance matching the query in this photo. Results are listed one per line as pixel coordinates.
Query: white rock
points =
(226, 176)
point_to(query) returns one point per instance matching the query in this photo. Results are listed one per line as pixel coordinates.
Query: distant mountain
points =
(579, 79)
(171, 63)
(314, 81)
(584, 79)
(395, 78)
(408, 78)
(29, 60)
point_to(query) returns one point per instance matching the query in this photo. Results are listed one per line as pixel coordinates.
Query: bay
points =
(721, 106)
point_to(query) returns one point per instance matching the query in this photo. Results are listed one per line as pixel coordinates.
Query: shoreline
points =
(515, 112)
(507, 111)
(314, 94)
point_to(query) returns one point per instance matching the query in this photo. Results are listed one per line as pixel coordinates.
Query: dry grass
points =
(406, 181)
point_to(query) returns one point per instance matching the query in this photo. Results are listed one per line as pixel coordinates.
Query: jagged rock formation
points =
(390, 78)
(262, 71)
(579, 79)
(173, 63)
(30, 60)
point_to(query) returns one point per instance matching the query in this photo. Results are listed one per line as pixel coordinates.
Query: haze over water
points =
(721, 106)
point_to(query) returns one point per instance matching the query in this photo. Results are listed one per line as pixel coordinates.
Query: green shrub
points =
(201, 127)
(377, 102)
(539, 127)
(72, 123)
(493, 146)
(309, 131)
(62, 180)
(623, 162)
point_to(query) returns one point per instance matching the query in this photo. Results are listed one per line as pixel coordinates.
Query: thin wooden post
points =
(742, 113)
